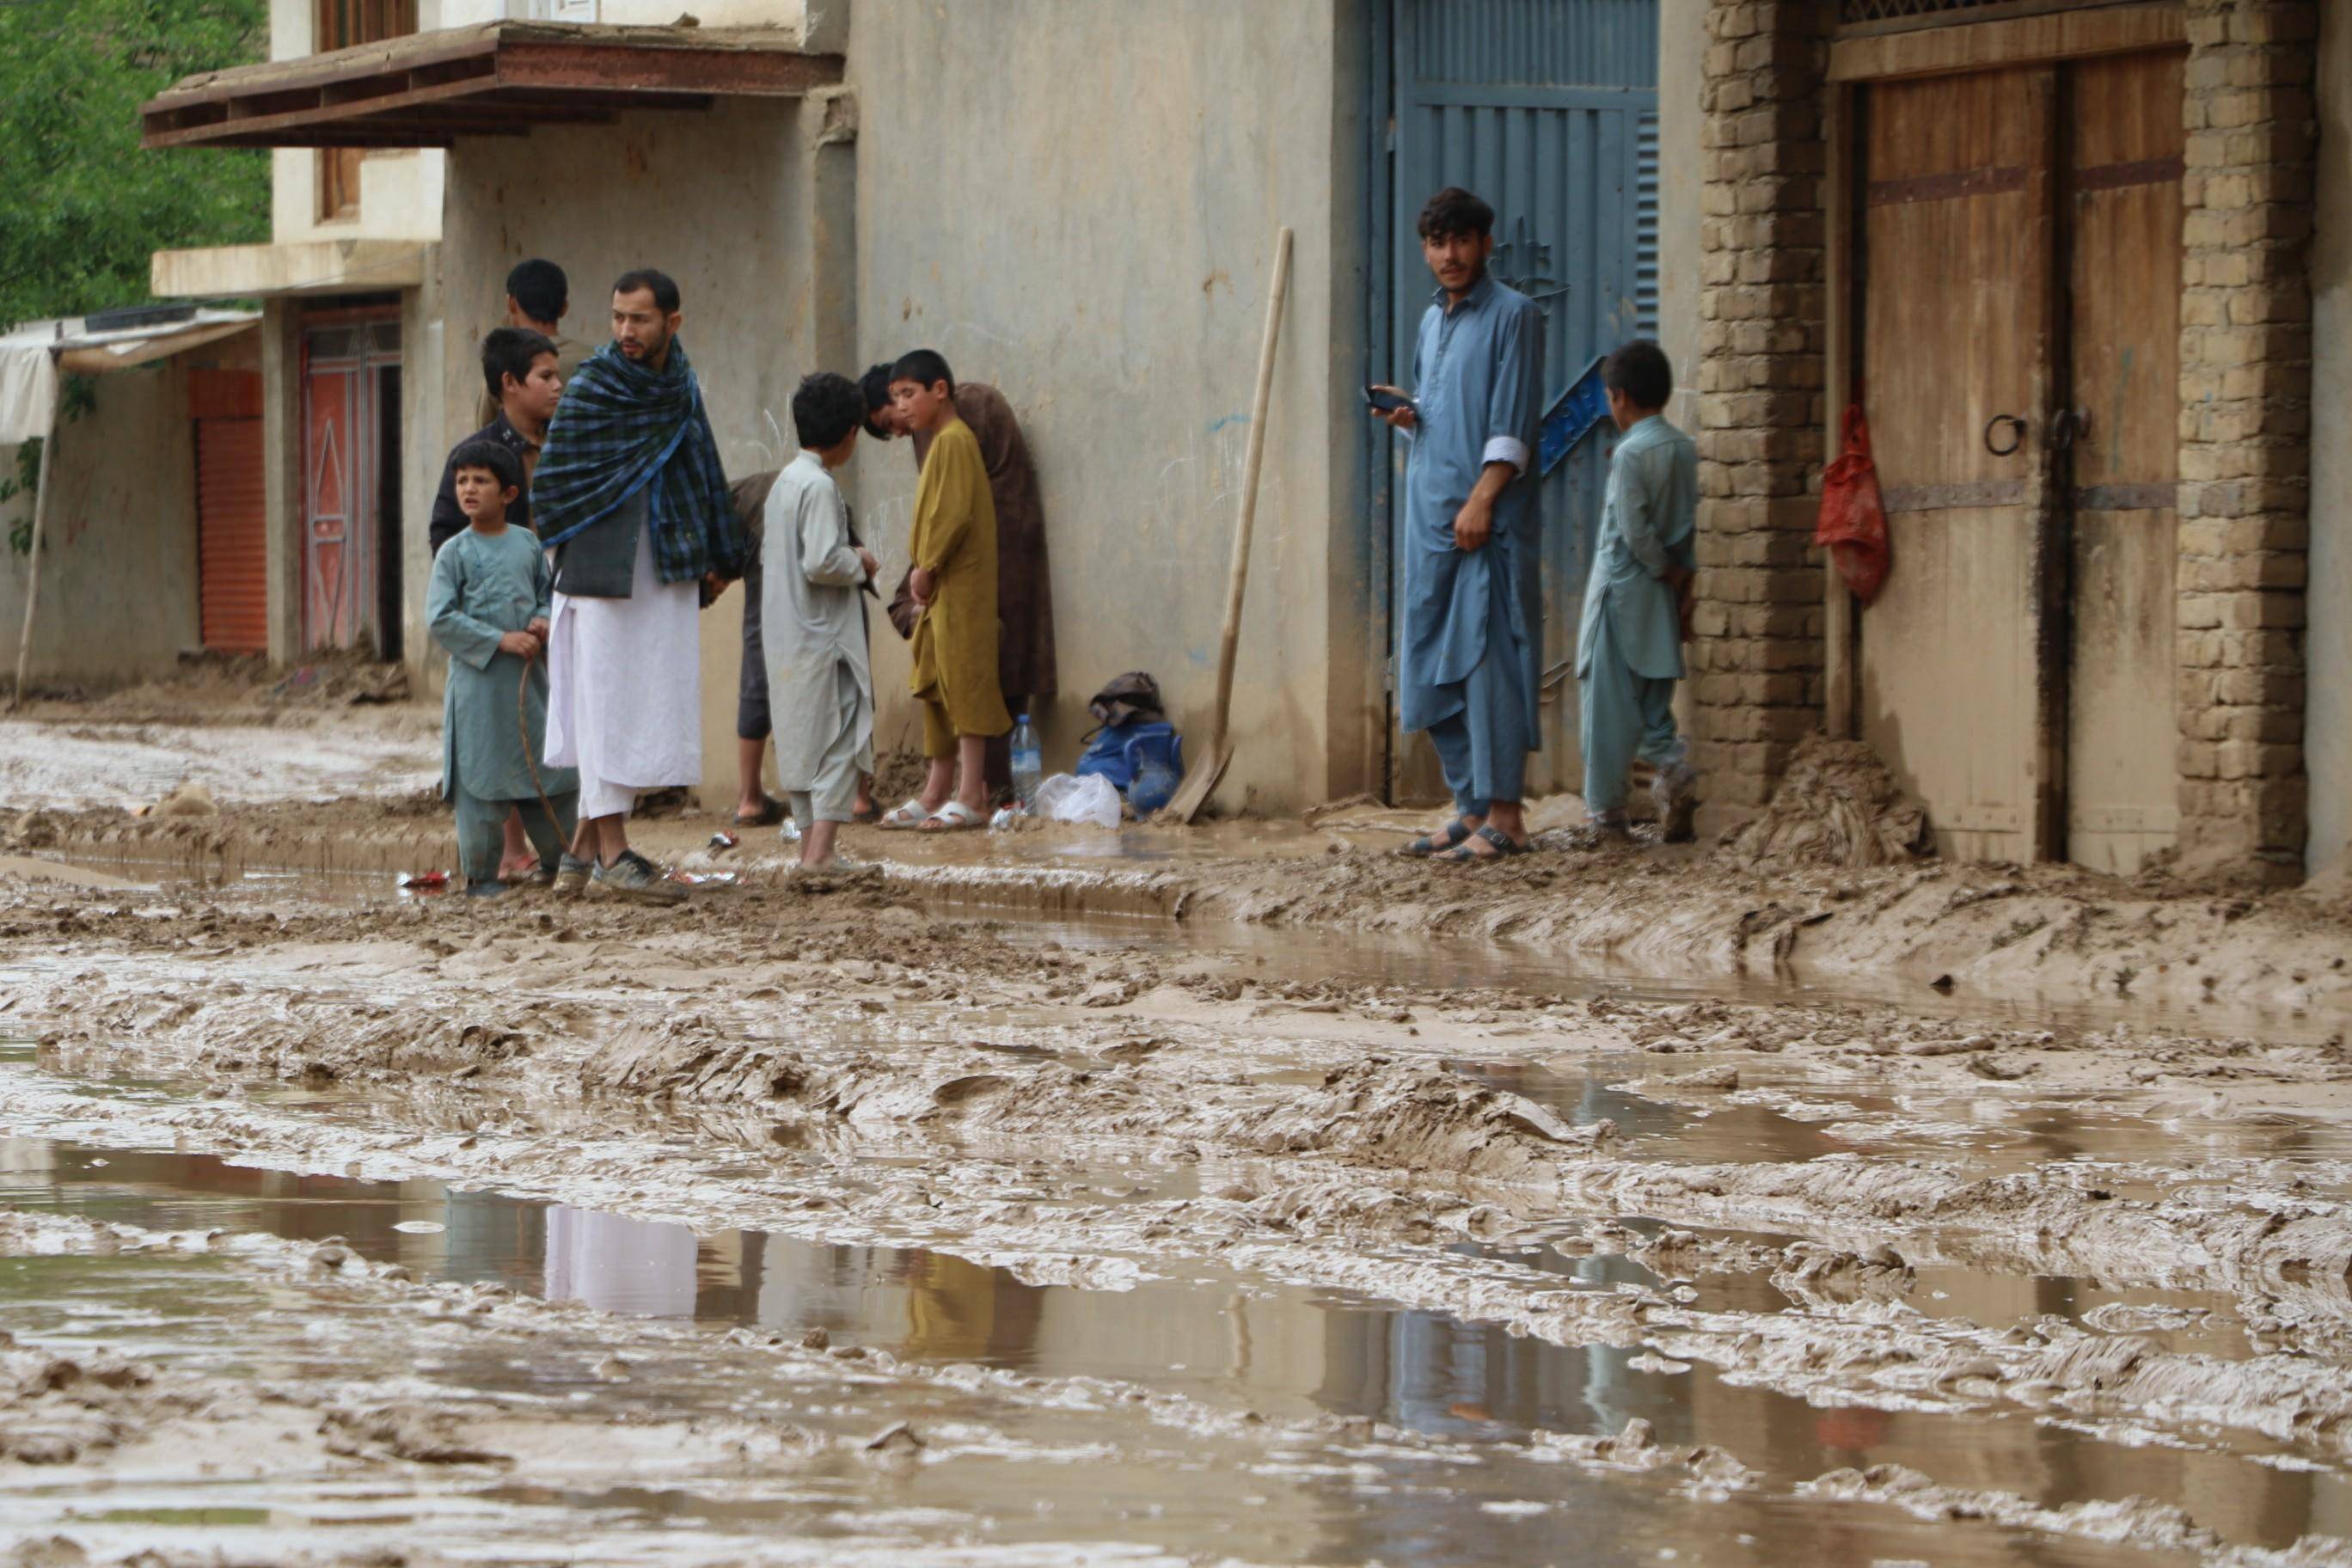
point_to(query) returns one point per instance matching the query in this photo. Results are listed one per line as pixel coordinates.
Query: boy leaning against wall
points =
(487, 605)
(1637, 601)
(954, 585)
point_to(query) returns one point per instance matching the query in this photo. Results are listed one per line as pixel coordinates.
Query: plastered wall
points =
(621, 13)
(2327, 645)
(117, 598)
(1098, 245)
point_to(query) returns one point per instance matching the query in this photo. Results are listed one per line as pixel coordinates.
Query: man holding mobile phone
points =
(1471, 630)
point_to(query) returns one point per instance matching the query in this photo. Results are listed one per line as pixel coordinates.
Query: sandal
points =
(953, 817)
(868, 814)
(770, 811)
(1499, 841)
(914, 814)
(1454, 833)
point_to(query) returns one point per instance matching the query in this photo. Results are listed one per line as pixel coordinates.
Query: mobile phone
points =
(1386, 401)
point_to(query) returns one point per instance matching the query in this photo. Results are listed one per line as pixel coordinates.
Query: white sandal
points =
(914, 814)
(953, 817)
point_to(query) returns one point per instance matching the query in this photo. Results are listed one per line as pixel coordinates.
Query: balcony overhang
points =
(496, 79)
(297, 267)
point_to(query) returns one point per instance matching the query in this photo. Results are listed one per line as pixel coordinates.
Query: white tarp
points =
(29, 353)
(28, 390)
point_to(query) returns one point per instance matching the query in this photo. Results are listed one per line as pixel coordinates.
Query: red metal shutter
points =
(232, 551)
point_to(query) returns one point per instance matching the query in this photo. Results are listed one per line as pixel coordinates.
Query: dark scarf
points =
(622, 425)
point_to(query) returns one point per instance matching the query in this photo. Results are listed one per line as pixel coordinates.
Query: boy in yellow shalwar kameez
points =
(954, 584)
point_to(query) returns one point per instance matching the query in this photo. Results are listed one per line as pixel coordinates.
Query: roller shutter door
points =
(232, 551)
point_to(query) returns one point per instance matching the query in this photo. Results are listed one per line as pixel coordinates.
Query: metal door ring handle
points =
(2016, 424)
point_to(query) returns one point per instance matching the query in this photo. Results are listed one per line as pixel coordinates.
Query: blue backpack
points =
(1119, 751)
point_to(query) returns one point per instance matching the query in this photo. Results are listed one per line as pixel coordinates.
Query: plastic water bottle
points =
(1028, 765)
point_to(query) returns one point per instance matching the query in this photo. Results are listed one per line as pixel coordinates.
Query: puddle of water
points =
(1134, 844)
(1231, 1343)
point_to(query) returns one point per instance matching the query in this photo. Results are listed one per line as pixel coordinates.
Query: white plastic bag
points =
(1092, 800)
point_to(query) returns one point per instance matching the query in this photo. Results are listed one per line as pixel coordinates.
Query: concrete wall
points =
(433, 14)
(400, 189)
(1097, 244)
(281, 447)
(723, 202)
(400, 197)
(118, 599)
(2327, 646)
(1681, 170)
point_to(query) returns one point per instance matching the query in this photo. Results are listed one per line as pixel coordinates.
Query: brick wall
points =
(1756, 661)
(2246, 428)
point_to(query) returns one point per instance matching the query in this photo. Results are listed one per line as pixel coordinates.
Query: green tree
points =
(81, 206)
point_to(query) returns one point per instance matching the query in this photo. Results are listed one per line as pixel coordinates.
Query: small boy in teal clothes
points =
(488, 606)
(1629, 645)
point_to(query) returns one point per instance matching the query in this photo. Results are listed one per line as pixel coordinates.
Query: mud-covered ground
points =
(1235, 1196)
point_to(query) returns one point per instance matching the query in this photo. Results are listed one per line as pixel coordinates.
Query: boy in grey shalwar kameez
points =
(812, 620)
(488, 607)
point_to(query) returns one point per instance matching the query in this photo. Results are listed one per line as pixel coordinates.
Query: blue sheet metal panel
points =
(1537, 43)
(1548, 109)
(1645, 230)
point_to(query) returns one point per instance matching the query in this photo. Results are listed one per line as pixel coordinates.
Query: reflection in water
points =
(642, 1268)
(1282, 1351)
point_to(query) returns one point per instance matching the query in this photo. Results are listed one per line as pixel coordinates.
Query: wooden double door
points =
(2018, 307)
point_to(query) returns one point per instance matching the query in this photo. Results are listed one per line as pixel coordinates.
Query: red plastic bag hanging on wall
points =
(1852, 523)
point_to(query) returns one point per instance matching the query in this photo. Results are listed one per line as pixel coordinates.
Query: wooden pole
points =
(33, 572)
(1254, 460)
(1212, 766)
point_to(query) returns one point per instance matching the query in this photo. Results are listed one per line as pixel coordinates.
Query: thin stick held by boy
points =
(1629, 647)
(488, 606)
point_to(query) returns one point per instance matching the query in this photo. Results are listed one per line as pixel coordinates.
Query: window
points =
(341, 24)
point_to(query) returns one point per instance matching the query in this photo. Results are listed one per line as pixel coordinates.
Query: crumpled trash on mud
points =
(1092, 801)
(1837, 806)
(187, 800)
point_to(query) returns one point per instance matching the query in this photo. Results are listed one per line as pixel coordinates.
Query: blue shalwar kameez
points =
(1471, 634)
(1629, 645)
(494, 711)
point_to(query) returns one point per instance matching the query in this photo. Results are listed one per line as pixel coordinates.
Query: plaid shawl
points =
(621, 425)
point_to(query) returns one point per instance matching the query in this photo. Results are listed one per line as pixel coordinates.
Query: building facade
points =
(2064, 258)
(1097, 244)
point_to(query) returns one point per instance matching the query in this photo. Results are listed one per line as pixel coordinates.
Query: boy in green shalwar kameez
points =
(488, 606)
(1637, 601)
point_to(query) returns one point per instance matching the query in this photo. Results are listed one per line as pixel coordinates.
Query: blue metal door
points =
(1548, 109)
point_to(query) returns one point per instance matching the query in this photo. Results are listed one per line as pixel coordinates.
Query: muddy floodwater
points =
(1222, 1198)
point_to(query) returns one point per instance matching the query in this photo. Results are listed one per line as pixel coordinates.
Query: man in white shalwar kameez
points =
(630, 492)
